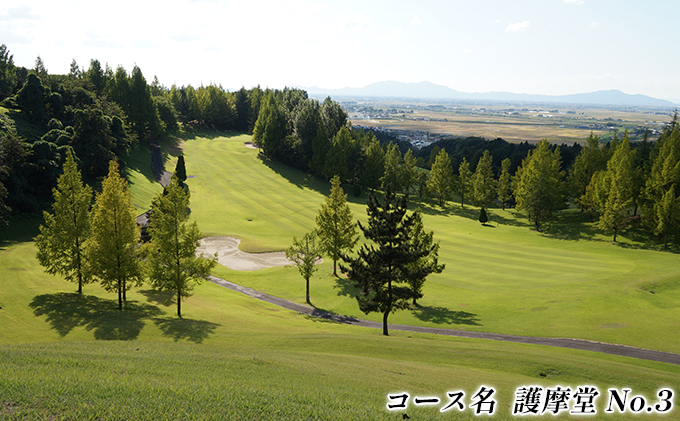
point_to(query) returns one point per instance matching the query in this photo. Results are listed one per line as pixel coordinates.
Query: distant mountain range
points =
(427, 90)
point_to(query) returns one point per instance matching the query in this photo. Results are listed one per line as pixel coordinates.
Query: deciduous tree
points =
(305, 253)
(464, 184)
(539, 187)
(62, 240)
(505, 183)
(171, 261)
(484, 187)
(113, 249)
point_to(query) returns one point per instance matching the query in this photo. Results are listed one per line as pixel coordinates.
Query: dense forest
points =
(99, 114)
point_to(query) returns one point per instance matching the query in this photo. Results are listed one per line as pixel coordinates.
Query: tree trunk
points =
(335, 268)
(308, 302)
(385, 314)
(120, 297)
(179, 305)
(615, 234)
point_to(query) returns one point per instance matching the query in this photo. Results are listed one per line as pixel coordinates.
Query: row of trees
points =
(390, 271)
(84, 242)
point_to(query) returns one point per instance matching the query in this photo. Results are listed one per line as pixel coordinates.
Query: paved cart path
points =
(614, 349)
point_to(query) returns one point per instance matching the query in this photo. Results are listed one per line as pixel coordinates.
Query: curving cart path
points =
(614, 349)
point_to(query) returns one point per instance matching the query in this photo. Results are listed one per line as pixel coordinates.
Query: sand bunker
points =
(230, 256)
(251, 145)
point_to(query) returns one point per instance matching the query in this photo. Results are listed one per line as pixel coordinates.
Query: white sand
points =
(230, 256)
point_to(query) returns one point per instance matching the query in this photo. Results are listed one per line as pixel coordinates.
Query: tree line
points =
(86, 241)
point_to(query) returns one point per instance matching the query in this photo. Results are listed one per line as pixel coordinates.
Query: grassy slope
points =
(505, 278)
(233, 357)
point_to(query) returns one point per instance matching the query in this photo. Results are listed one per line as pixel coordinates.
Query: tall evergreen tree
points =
(591, 159)
(664, 176)
(270, 128)
(441, 177)
(464, 184)
(335, 226)
(62, 240)
(305, 253)
(393, 163)
(383, 271)
(505, 183)
(8, 76)
(113, 250)
(171, 261)
(617, 182)
(539, 188)
(408, 173)
(374, 164)
(339, 158)
(667, 215)
(484, 186)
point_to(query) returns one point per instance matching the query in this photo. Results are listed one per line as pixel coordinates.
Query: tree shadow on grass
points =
(327, 316)
(345, 287)
(158, 297)
(192, 330)
(443, 315)
(66, 311)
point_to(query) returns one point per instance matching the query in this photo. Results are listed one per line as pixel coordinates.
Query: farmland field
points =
(512, 122)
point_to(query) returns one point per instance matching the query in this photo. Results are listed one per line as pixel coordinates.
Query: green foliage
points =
(335, 226)
(171, 262)
(339, 157)
(592, 158)
(374, 165)
(181, 170)
(483, 217)
(615, 185)
(270, 128)
(484, 186)
(505, 183)
(408, 173)
(62, 241)
(383, 272)
(423, 240)
(31, 99)
(93, 141)
(305, 253)
(113, 249)
(8, 77)
(333, 117)
(393, 162)
(539, 186)
(464, 184)
(441, 177)
(664, 176)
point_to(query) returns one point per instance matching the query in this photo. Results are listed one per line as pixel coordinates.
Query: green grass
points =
(568, 281)
(232, 357)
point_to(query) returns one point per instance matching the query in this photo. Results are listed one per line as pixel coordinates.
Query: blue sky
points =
(524, 46)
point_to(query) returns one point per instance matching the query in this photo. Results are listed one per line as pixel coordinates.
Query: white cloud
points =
(416, 20)
(517, 27)
(392, 35)
(594, 25)
(574, 1)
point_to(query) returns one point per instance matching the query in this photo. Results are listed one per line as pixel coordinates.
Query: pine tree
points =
(463, 186)
(335, 226)
(384, 270)
(61, 243)
(441, 177)
(171, 261)
(505, 183)
(374, 165)
(591, 159)
(484, 188)
(423, 240)
(113, 249)
(270, 127)
(539, 186)
(305, 253)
